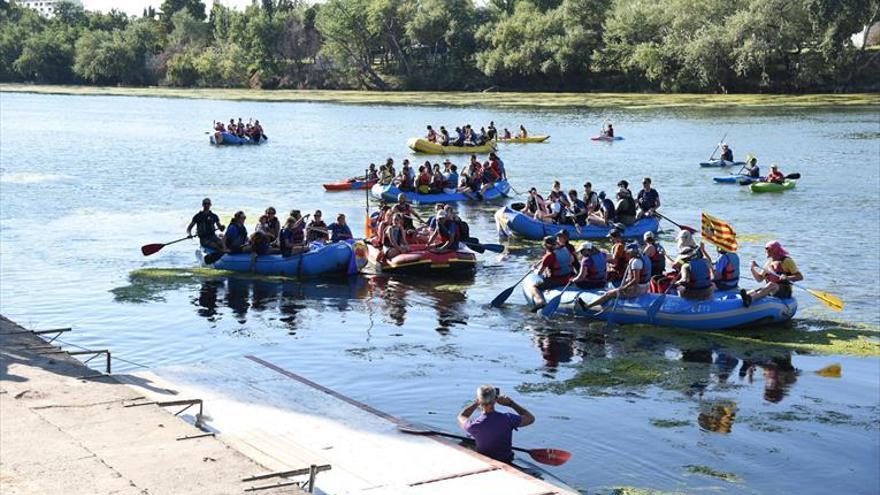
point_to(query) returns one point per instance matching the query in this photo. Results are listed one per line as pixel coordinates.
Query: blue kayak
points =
(389, 193)
(722, 164)
(724, 310)
(740, 179)
(231, 139)
(340, 258)
(510, 221)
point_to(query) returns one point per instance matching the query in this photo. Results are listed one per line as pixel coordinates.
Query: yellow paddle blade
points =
(827, 299)
(830, 371)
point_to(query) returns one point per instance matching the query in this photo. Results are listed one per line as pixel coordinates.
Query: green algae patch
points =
(631, 490)
(147, 285)
(459, 98)
(713, 473)
(669, 423)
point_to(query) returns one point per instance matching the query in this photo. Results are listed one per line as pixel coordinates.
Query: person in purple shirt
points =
(492, 430)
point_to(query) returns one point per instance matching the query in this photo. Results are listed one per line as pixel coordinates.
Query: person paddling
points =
(648, 200)
(609, 130)
(635, 281)
(207, 223)
(775, 176)
(593, 270)
(555, 270)
(777, 274)
(523, 133)
(752, 169)
(492, 431)
(726, 153)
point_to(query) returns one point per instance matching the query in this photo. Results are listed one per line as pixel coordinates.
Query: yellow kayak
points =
(420, 145)
(530, 139)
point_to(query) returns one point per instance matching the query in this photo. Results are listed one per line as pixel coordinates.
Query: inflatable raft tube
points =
(421, 145)
(510, 221)
(530, 139)
(389, 193)
(339, 258)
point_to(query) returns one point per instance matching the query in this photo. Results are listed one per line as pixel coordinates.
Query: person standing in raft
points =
(207, 223)
(778, 273)
(492, 430)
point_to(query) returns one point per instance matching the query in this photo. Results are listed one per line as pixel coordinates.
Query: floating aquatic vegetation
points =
(631, 490)
(707, 471)
(717, 416)
(669, 423)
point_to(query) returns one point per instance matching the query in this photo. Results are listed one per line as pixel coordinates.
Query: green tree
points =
(47, 56)
(170, 7)
(17, 24)
(104, 57)
(348, 41)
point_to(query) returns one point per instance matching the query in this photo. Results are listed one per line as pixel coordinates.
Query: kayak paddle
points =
(505, 294)
(148, 249)
(794, 176)
(718, 146)
(552, 457)
(673, 222)
(553, 304)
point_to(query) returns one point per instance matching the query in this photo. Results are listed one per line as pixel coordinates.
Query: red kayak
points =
(349, 185)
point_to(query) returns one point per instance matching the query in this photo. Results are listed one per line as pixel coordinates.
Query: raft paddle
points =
(501, 298)
(495, 248)
(673, 222)
(148, 249)
(829, 300)
(551, 457)
(553, 304)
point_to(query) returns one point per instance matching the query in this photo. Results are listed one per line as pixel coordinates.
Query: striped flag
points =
(718, 232)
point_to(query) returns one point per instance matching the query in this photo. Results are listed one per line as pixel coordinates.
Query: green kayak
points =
(762, 187)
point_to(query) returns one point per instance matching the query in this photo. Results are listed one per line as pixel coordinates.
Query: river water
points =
(85, 181)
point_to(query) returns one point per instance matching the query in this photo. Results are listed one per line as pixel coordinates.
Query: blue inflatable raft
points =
(510, 221)
(389, 193)
(231, 139)
(725, 310)
(340, 258)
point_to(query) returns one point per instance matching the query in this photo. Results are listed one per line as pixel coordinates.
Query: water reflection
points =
(396, 297)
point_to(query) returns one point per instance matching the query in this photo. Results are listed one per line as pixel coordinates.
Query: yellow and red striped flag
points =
(718, 232)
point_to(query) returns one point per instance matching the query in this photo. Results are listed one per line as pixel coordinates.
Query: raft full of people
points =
(433, 183)
(237, 133)
(467, 140)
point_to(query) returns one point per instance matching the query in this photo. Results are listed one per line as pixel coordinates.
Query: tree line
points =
(618, 45)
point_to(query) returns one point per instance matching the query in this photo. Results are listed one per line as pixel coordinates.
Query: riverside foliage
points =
(631, 45)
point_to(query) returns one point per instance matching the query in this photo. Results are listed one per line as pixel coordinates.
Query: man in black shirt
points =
(206, 223)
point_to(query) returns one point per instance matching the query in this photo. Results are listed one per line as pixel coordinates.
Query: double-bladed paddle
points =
(551, 457)
(148, 249)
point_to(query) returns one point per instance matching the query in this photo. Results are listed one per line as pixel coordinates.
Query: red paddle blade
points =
(552, 457)
(148, 249)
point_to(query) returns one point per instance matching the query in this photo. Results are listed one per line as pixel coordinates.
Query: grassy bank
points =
(504, 100)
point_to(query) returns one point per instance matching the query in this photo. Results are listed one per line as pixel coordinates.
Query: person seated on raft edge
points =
(491, 175)
(207, 223)
(407, 211)
(555, 270)
(384, 219)
(498, 164)
(431, 136)
(655, 252)
(625, 209)
(606, 215)
(272, 224)
(292, 239)
(522, 132)
(444, 136)
(578, 209)
(462, 229)
(752, 169)
(506, 134)
(492, 431)
(555, 210)
(432, 221)
(777, 274)
(438, 181)
(562, 240)
(423, 179)
(372, 174)
(491, 131)
(557, 188)
(339, 230)
(450, 183)
(394, 239)
(726, 270)
(444, 232)
(317, 229)
(536, 207)
(648, 200)
(261, 240)
(695, 277)
(617, 261)
(635, 280)
(593, 269)
(590, 198)
(459, 137)
(236, 239)
(775, 176)
(404, 179)
(609, 130)
(726, 153)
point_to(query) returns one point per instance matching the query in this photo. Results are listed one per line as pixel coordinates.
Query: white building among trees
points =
(45, 7)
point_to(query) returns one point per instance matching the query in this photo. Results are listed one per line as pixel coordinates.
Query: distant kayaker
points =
(726, 270)
(431, 136)
(236, 238)
(317, 229)
(775, 176)
(555, 270)
(609, 130)
(726, 153)
(777, 274)
(635, 280)
(695, 276)
(492, 431)
(593, 269)
(752, 169)
(648, 200)
(339, 230)
(522, 132)
(207, 223)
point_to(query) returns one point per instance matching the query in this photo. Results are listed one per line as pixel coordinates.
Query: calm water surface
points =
(86, 180)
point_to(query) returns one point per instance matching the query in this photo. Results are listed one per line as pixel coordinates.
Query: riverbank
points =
(460, 99)
(64, 434)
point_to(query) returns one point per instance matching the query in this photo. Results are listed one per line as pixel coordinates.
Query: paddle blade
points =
(831, 301)
(212, 258)
(495, 248)
(475, 247)
(148, 249)
(500, 299)
(830, 371)
(551, 307)
(794, 176)
(551, 457)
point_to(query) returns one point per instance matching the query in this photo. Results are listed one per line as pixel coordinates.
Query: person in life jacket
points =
(609, 130)
(617, 261)
(625, 209)
(635, 281)
(236, 238)
(695, 279)
(395, 238)
(592, 272)
(777, 274)
(726, 270)
(555, 270)
(444, 235)
(655, 252)
(444, 136)
(498, 165)
(317, 229)
(775, 175)
(726, 153)
(292, 237)
(591, 198)
(407, 211)
(535, 204)
(752, 169)
(491, 131)
(562, 240)
(207, 223)
(431, 136)
(578, 209)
